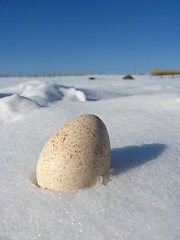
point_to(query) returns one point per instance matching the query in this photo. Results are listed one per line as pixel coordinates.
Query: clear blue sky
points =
(96, 36)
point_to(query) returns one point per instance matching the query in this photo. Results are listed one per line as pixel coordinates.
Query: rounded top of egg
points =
(75, 156)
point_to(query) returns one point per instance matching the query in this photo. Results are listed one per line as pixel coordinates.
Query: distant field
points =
(51, 74)
(158, 72)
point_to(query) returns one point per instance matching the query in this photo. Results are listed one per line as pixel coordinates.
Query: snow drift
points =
(22, 99)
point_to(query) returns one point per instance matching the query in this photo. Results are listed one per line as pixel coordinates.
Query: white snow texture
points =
(139, 199)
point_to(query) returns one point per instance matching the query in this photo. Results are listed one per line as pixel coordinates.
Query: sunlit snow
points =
(139, 199)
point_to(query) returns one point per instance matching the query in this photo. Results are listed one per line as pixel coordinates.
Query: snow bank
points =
(22, 99)
(15, 107)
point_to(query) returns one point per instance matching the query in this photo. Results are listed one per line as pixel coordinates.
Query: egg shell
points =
(75, 156)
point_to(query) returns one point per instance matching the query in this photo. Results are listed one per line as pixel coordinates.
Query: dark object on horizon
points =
(92, 78)
(128, 77)
(161, 72)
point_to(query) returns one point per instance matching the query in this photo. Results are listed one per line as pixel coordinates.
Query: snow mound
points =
(73, 94)
(22, 99)
(15, 107)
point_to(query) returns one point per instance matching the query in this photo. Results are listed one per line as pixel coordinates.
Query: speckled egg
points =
(75, 156)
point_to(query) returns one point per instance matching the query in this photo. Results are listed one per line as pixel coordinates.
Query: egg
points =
(75, 156)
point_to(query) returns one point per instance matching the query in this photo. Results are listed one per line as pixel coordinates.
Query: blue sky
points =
(90, 36)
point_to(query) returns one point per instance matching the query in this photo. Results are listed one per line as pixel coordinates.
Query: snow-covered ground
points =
(140, 199)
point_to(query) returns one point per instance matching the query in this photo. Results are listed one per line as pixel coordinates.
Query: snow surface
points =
(139, 199)
(21, 99)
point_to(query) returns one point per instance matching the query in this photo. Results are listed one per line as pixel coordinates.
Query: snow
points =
(139, 199)
(21, 99)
